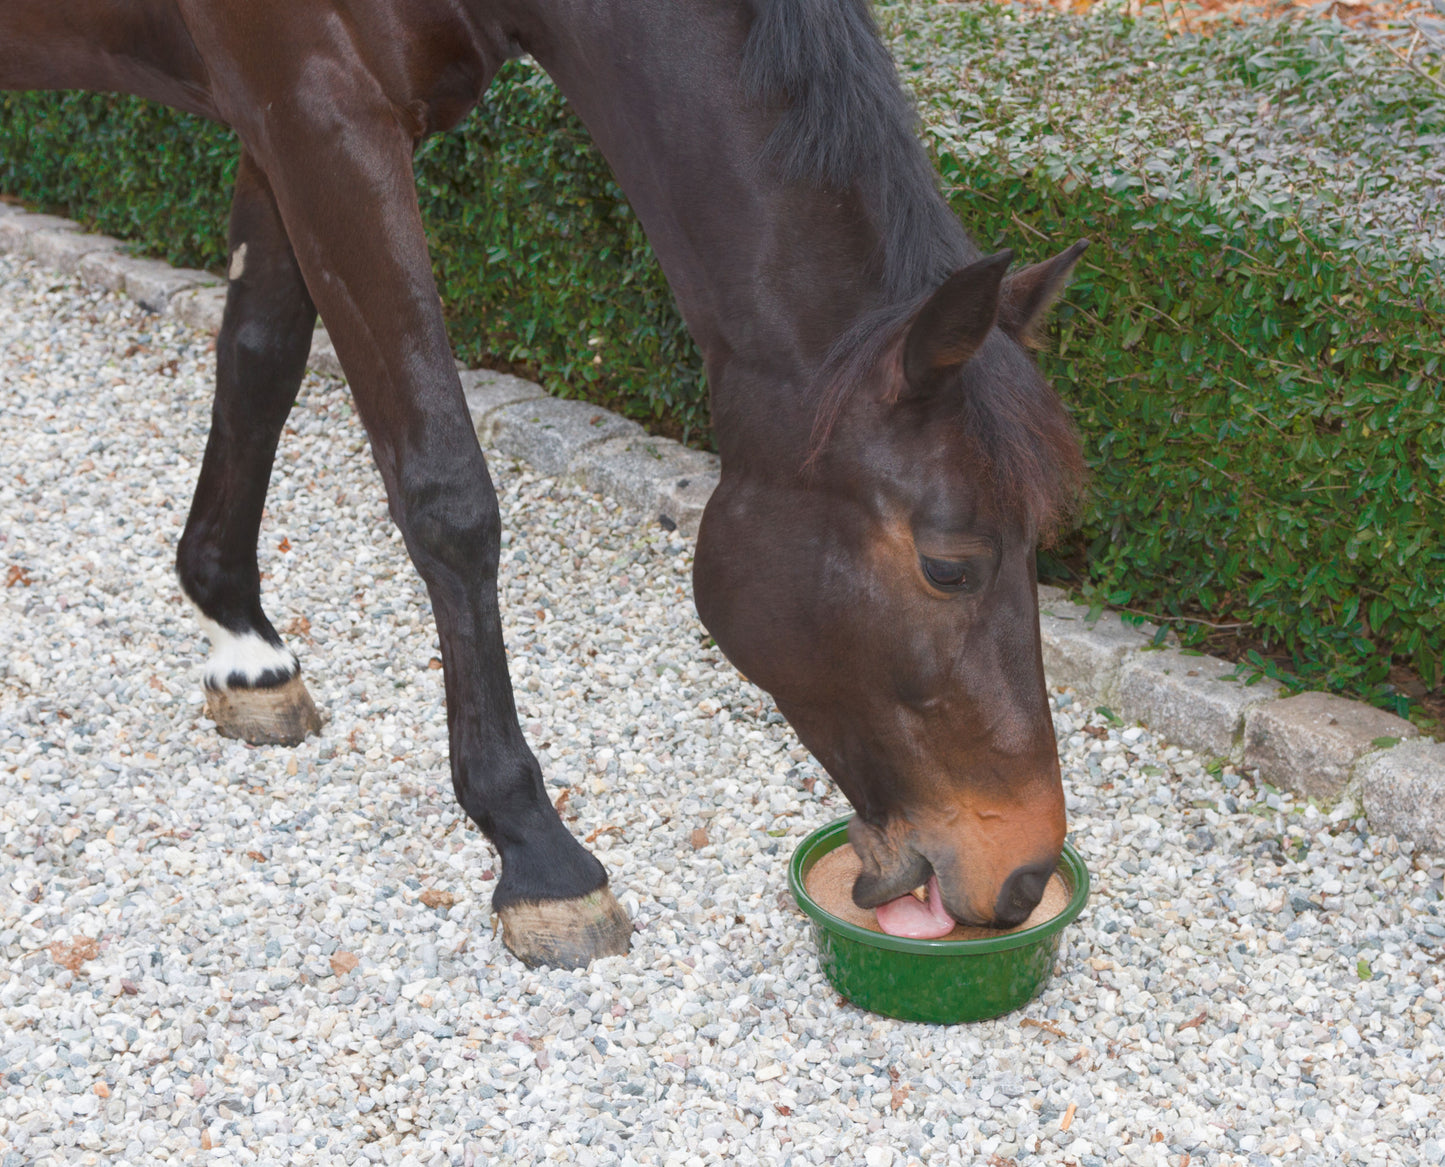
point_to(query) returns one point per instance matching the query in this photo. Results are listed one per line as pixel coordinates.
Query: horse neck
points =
(767, 273)
(140, 47)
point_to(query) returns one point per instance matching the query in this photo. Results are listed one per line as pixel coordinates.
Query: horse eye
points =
(944, 573)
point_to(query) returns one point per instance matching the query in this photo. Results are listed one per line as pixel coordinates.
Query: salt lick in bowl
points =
(942, 981)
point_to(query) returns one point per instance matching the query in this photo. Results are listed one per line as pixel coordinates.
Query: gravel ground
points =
(286, 956)
(1306, 118)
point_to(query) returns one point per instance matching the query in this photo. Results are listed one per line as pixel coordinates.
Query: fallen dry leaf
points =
(434, 897)
(699, 838)
(256, 855)
(74, 953)
(343, 962)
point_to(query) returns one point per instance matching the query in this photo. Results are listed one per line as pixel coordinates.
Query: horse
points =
(891, 456)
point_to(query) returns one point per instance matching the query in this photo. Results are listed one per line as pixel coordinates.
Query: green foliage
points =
(138, 171)
(538, 258)
(1252, 347)
(541, 262)
(1264, 421)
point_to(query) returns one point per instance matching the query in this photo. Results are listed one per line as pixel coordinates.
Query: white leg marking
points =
(246, 656)
(238, 262)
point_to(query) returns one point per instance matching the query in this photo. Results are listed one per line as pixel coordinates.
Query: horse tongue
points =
(905, 916)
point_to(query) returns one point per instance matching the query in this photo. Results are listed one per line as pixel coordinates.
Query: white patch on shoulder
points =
(238, 262)
(247, 656)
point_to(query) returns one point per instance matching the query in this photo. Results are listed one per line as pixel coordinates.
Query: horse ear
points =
(1028, 294)
(950, 327)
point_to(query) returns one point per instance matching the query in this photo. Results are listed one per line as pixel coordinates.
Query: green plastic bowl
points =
(942, 981)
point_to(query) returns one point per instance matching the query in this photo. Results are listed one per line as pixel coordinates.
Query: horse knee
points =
(453, 522)
(263, 348)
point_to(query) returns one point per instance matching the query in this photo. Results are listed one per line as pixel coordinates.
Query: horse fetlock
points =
(246, 660)
(281, 715)
(566, 933)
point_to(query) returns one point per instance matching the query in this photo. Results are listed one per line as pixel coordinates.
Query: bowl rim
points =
(811, 849)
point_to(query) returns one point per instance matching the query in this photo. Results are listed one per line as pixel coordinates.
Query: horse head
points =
(885, 593)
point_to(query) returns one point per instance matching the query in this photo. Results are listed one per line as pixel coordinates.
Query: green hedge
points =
(1264, 412)
(1255, 347)
(1267, 443)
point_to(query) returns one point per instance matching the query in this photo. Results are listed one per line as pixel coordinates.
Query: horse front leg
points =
(253, 685)
(350, 209)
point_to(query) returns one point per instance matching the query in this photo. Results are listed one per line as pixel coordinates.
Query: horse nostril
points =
(1021, 893)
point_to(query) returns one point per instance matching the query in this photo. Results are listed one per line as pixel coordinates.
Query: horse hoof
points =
(280, 716)
(567, 933)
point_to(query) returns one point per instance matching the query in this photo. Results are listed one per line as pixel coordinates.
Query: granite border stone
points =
(550, 432)
(1192, 699)
(1309, 743)
(1087, 654)
(660, 477)
(201, 308)
(487, 392)
(1317, 744)
(151, 283)
(323, 358)
(17, 226)
(1403, 793)
(63, 250)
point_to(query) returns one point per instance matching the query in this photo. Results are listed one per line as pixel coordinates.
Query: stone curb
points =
(1315, 744)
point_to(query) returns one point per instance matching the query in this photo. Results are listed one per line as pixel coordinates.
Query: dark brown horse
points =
(890, 454)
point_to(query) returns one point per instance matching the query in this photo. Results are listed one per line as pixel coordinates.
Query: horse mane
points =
(846, 123)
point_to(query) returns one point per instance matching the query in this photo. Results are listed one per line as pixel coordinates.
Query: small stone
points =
(343, 962)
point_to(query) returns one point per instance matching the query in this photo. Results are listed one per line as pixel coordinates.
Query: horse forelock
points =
(1018, 434)
(1013, 433)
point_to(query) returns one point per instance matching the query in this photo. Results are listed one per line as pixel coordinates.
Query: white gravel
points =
(1254, 982)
